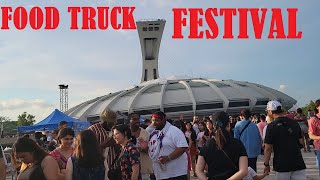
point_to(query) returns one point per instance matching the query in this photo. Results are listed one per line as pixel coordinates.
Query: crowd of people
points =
(215, 147)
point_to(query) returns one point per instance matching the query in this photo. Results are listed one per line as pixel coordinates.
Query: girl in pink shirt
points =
(262, 124)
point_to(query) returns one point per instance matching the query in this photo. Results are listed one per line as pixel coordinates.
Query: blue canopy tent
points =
(52, 121)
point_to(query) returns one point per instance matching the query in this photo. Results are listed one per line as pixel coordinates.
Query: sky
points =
(96, 62)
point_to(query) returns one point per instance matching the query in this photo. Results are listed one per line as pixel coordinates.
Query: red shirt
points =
(314, 128)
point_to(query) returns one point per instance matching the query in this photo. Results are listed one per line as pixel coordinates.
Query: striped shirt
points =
(1, 153)
(103, 135)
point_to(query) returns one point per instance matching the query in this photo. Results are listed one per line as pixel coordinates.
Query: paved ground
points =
(309, 158)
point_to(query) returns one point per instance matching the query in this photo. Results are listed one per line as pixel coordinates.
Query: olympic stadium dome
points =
(177, 96)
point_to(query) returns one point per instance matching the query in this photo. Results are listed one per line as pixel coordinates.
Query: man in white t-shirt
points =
(167, 146)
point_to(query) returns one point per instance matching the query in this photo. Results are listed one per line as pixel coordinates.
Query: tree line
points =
(10, 127)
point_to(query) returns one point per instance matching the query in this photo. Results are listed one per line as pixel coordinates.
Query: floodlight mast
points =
(63, 97)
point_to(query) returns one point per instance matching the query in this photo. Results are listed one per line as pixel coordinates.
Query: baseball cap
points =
(274, 106)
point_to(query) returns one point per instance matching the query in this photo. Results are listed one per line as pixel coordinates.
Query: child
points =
(252, 175)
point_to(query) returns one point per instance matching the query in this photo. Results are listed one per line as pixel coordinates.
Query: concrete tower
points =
(150, 34)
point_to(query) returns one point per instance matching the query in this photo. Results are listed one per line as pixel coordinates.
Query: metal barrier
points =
(11, 170)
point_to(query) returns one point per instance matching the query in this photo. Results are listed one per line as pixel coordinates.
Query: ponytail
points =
(222, 136)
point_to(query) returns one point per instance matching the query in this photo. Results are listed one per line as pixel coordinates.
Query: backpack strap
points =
(244, 128)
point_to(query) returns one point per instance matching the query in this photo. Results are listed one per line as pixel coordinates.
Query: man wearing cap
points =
(284, 137)
(167, 146)
(103, 133)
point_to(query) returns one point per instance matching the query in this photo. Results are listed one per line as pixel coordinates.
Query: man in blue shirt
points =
(248, 133)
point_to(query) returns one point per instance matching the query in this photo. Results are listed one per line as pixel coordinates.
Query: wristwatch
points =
(266, 164)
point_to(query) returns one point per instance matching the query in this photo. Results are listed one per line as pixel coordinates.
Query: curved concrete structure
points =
(187, 96)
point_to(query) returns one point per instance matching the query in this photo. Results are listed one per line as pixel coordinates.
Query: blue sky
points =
(94, 63)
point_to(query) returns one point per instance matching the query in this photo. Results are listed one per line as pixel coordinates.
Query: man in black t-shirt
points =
(284, 137)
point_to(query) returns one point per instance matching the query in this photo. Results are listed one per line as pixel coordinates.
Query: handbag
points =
(114, 173)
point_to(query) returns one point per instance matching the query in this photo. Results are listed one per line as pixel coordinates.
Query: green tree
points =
(26, 119)
(4, 119)
(310, 106)
(8, 125)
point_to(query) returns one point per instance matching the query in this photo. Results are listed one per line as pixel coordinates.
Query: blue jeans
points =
(318, 159)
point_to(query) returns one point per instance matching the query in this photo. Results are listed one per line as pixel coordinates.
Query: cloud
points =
(143, 3)
(41, 108)
(128, 34)
(79, 97)
(16, 106)
(283, 88)
(17, 103)
(45, 66)
(110, 2)
(166, 3)
(30, 6)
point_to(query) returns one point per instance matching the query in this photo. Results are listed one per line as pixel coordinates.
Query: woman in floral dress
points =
(129, 157)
